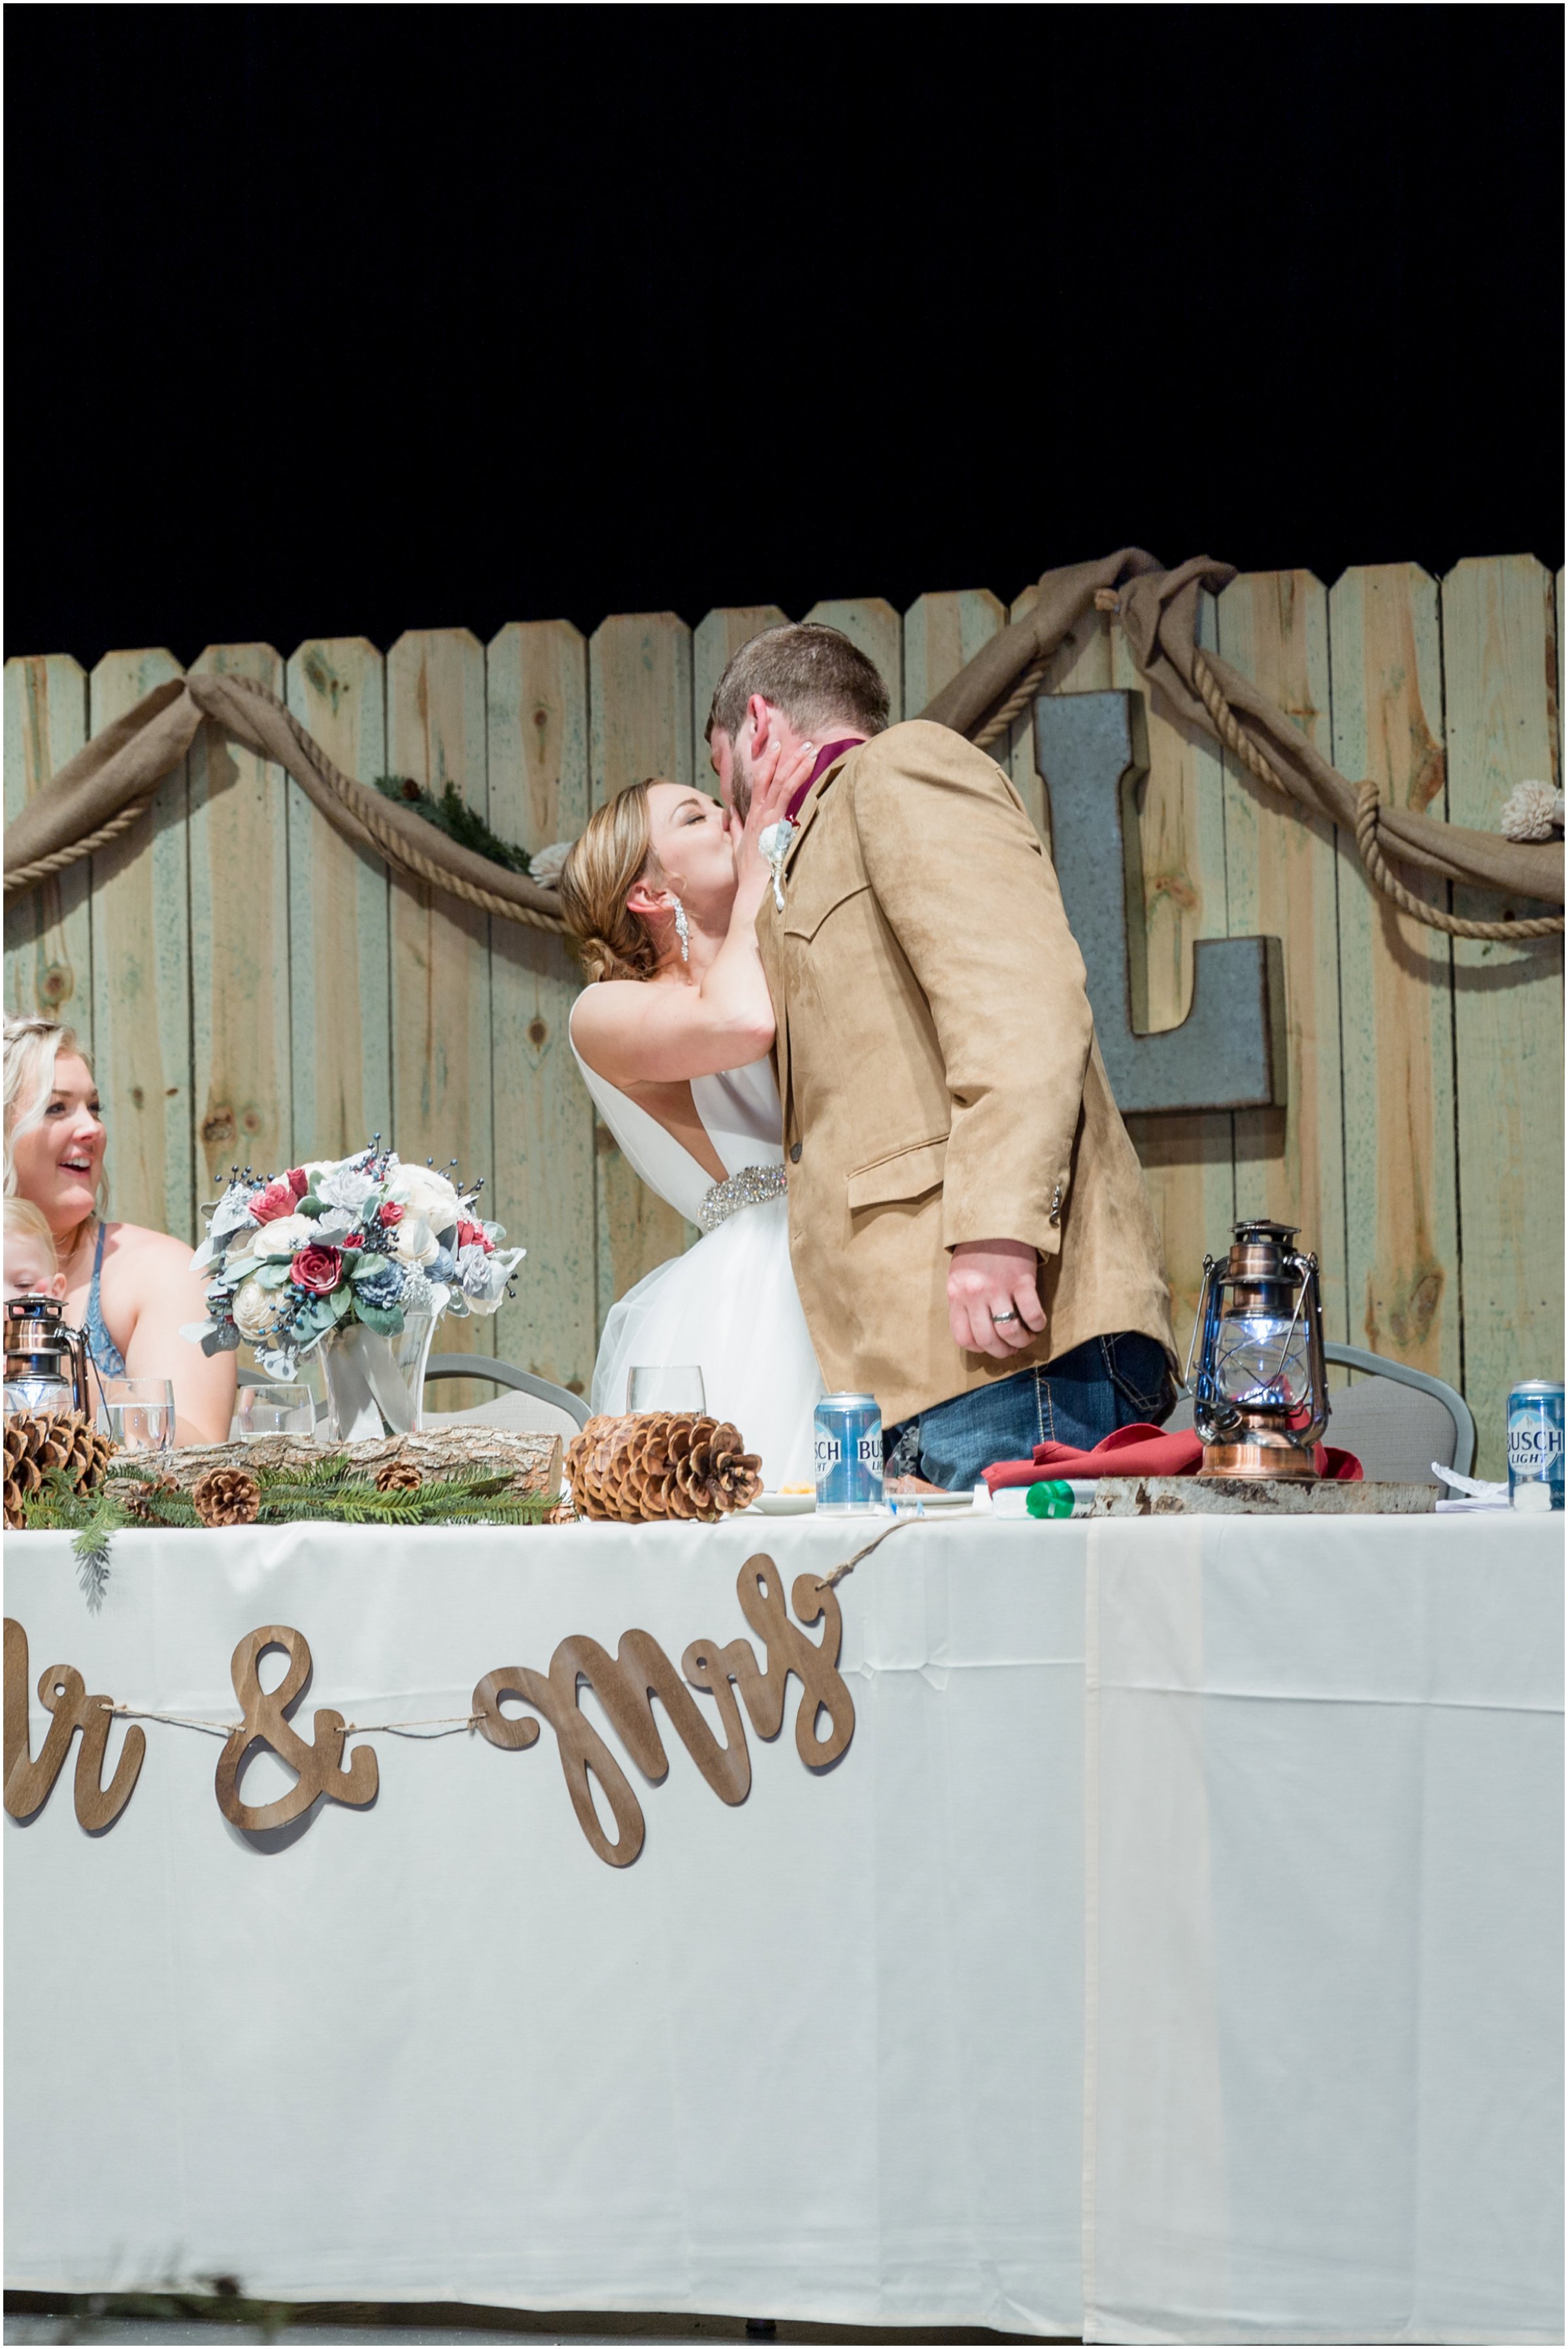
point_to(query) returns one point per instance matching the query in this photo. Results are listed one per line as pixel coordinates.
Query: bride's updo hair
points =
(615, 852)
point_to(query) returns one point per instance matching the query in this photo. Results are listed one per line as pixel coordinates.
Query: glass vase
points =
(374, 1384)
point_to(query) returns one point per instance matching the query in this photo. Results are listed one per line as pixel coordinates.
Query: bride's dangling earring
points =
(683, 929)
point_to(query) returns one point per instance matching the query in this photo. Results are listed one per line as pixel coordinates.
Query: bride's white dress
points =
(730, 1303)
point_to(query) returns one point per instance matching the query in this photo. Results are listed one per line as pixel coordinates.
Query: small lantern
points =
(46, 1359)
(1260, 1399)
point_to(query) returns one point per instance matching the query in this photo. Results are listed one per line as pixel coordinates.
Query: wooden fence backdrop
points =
(254, 988)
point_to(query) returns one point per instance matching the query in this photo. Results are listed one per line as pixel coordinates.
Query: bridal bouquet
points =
(292, 1259)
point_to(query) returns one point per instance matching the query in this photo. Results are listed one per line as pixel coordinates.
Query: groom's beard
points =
(739, 785)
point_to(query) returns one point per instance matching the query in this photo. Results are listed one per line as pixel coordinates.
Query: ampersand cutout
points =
(266, 1723)
(61, 1691)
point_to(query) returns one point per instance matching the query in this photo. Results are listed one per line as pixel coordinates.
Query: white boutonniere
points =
(775, 844)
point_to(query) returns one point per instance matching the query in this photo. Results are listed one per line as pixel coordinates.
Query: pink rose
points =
(298, 1181)
(353, 1240)
(472, 1236)
(277, 1199)
(319, 1269)
(390, 1214)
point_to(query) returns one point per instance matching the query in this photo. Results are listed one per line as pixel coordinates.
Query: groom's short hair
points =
(810, 671)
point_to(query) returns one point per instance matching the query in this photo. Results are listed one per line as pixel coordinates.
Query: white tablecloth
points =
(1277, 1844)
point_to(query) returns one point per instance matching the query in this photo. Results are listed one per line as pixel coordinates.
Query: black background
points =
(330, 321)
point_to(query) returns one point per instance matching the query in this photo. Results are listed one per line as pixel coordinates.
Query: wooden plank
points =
(441, 948)
(141, 911)
(640, 697)
(239, 942)
(340, 913)
(715, 641)
(48, 934)
(640, 693)
(876, 628)
(1281, 880)
(1396, 1003)
(543, 1190)
(941, 633)
(1186, 1160)
(1500, 727)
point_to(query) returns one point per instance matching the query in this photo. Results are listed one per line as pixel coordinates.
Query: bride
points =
(673, 1036)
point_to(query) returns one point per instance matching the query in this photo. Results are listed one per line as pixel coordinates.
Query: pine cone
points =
(141, 1495)
(398, 1476)
(226, 1497)
(715, 1473)
(39, 1441)
(661, 1464)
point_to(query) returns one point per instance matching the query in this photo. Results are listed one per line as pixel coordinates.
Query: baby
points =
(32, 1269)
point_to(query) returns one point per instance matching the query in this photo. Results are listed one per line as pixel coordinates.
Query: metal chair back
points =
(530, 1406)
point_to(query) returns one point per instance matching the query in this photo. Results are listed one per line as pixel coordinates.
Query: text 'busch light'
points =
(848, 1438)
(1535, 1446)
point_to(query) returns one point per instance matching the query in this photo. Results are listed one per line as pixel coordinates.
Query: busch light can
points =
(849, 1454)
(1535, 1446)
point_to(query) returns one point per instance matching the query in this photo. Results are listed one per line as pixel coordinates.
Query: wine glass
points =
(281, 1407)
(665, 1386)
(138, 1414)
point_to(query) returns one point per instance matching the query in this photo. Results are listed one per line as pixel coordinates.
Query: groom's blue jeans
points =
(1078, 1399)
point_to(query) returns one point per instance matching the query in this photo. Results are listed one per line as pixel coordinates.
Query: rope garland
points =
(1368, 806)
(367, 818)
(27, 876)
(1014, 706)
(361, 803)
(394, 845)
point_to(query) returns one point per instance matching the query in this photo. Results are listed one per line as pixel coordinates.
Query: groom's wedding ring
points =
(997, 1320)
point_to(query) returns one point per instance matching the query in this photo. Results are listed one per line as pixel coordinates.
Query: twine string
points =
(849, 1565)
(436, 1725)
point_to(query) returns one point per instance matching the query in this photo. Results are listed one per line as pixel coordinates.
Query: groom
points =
(968, 1228)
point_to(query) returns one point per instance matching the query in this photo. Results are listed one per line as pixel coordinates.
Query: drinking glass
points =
(138, 1414)
(283, 1407)
(665, 1386)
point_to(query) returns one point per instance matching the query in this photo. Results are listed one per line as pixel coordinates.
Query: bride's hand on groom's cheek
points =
(988, 1277)
(776, 775)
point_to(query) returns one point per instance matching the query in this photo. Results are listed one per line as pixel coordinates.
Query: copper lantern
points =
(1261, 1396)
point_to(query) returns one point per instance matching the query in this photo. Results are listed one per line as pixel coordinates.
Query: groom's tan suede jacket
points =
(940, 1076)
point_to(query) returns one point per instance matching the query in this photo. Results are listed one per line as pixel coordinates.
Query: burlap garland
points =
(100, 792)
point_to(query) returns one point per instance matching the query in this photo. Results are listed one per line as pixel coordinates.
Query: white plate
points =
(782, 1504)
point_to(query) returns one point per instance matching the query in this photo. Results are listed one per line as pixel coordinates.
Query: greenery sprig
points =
(330, 1491)
(451, 814)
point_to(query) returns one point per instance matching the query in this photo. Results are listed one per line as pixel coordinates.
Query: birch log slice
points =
(532, 1462)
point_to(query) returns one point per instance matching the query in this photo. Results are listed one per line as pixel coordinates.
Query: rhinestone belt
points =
(750, 1188)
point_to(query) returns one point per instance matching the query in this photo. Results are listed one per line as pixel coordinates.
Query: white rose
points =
(284, 1236)
(258, 1311)
(427, 1193)
(413, 1242)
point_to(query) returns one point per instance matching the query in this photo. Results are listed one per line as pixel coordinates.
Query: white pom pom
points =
(545, 868)
(1531, 811)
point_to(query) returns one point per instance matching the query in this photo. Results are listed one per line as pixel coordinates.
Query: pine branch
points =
(332, 1491)
(451, 814)
(92, 1519)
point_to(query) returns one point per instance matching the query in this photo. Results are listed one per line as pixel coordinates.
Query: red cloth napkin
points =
(1143, 1451)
